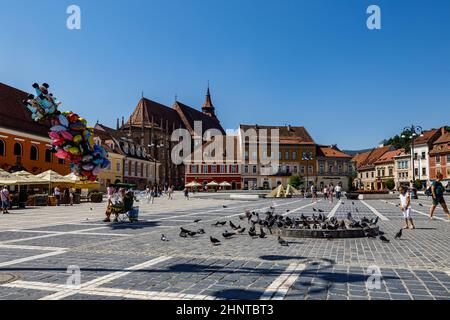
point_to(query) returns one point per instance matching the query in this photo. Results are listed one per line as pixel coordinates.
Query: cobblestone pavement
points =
(129, 261)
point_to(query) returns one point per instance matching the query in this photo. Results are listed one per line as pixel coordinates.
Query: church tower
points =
(208, 107)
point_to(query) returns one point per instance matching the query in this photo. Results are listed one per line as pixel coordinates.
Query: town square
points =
(230, 157)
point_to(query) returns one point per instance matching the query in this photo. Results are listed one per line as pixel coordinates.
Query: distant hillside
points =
(355, 152)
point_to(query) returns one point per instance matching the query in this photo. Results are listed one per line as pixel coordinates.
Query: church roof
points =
(189, 115)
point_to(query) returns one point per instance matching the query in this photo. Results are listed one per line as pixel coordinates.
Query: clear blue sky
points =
(311, 63)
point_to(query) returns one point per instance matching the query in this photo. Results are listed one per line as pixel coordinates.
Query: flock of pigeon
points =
(277, 221)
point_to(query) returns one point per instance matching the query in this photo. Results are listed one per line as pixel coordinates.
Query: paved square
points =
(129, 261)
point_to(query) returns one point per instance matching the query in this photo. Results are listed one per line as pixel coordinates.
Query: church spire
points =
(208, 107)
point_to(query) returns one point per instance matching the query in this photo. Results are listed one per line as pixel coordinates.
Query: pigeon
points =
(214, 241)
(201, 231)
(288, 210)
(224, 207)
(420, 204)
(283, 242)
(242, 217)
(183, 234)
(314, 209)
(353, 203)
(184, 230)
(374, 221)
(241, 231)
(356, 209)
(192, 234)
(228, 235)
(369, 234)
(163, 238)
(384, 239)
(91, 209)
(320, 210)
(197, 221)
(272, 208)
(233, 226)
(252, 234)
(219, 223)
(399, 234)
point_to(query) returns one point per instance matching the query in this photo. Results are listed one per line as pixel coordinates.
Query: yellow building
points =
(114, 173)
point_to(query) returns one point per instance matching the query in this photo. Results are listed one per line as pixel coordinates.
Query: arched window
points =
(34, 153)
(17, 149)
(48, 156)
(2, 148)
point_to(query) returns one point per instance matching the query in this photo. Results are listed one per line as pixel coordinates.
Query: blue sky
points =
(310, 63)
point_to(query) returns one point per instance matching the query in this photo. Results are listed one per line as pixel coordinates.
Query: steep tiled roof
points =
(288, 134)
(15, 116)
(148, 110)
(427, 137)
(442, 145)
(367, 161)
(331, 152)
(388, 156)
(189, 115)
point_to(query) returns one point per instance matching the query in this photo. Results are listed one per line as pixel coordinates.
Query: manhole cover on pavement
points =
(8, 277)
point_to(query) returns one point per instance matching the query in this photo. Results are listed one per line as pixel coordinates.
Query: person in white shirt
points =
(405, 206)
(57, 193)
(4, 199)
(338, 191)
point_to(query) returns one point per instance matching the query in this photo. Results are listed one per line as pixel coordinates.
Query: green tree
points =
(390, 184)
(418, 184)
(296, 181)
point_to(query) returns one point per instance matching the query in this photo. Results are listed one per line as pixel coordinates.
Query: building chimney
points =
(117, 126)
(123, 121)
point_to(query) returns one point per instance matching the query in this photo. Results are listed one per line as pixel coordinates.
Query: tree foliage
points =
(296, 181)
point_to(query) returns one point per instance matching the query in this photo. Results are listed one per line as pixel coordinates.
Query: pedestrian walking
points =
(57, 194)
(338, 191)
(71, 195)
(4, 197)
(186, 193)
(313, 193)
(405, 207)
(437, 194)
(325, 193)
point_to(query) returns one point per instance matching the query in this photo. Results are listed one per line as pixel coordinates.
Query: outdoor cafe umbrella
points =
(212, 184)
(78, 184)
(6, 178)
(225, 184)
(193, 184)
(26, 178)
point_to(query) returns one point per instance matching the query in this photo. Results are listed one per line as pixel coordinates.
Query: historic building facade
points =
(440, 156)
(24, 143)
(422, 147)
(385, 170)
(334, 167)
(402, 169)
(366, 168)
(137, 167)
(295, 154)
(225, 168)
(152, 124)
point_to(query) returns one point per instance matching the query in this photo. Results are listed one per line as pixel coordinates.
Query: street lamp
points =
(307, 157)
(156, 145)
(411, 133)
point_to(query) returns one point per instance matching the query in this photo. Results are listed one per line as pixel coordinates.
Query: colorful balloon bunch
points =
(72, 139)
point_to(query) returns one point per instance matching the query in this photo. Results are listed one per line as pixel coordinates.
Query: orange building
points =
(24, 143)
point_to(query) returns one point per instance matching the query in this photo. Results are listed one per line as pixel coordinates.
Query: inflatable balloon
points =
(72, 139)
